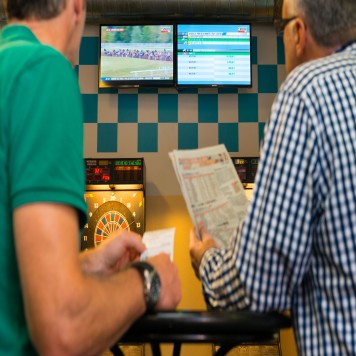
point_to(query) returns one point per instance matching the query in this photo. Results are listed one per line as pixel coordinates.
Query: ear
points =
(79, 9)
(300, 37)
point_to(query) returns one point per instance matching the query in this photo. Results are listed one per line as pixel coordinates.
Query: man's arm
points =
(199, 246)
(69, 312)
(222, 276)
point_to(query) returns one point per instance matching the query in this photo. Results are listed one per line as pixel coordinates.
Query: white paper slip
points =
(158, 241)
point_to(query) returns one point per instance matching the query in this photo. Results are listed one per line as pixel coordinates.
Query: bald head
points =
(331, 22)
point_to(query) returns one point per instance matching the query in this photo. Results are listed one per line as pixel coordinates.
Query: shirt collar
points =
(17, 32)
(347, 46)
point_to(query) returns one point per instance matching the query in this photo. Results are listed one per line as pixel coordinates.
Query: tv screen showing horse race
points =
(136, 55)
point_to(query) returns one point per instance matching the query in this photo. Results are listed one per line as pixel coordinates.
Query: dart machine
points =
(115, 198)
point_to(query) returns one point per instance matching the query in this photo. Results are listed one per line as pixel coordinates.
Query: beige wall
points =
(105, 110)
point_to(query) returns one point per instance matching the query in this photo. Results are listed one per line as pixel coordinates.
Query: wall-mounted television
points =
(213, 55)
(136, 55)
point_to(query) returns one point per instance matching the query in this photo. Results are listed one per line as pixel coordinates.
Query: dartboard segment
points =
(108, 223)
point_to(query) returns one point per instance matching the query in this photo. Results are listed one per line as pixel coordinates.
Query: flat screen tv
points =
(213, 55)
(136, 55)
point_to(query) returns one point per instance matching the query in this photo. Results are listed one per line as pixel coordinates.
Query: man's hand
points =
(114, 254)
(197, 247)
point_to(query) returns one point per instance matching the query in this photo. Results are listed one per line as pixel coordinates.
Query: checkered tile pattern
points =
(149, 122)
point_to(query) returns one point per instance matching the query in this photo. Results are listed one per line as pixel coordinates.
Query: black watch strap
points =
(151, 283)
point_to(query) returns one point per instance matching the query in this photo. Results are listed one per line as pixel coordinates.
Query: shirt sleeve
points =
(46, 128)
(271, 250)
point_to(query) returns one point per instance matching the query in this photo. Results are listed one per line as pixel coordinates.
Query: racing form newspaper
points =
(212, 190)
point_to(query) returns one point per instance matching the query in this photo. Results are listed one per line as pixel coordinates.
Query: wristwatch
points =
(151, 283)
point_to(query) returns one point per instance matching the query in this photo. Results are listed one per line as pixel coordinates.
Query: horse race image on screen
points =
(136, 55)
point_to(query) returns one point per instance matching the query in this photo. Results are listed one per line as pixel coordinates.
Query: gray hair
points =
(33, 9)
(331, 22)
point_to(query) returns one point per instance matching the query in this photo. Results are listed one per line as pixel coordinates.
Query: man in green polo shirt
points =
(54, 300)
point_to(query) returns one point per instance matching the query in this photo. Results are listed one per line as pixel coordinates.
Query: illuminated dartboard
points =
(108, 218)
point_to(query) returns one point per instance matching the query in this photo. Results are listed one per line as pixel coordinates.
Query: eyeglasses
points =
(281, 24)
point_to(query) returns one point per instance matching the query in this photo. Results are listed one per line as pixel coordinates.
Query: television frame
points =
(141, 81)
(180, 47)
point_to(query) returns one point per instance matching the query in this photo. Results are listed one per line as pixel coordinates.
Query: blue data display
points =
(214, 55)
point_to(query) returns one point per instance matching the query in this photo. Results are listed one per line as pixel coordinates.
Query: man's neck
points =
(52, 32)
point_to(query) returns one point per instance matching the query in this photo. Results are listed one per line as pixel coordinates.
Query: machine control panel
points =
(114, 171)
(246, 168)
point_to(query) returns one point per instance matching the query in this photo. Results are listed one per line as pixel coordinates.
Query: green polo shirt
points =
(41, 156)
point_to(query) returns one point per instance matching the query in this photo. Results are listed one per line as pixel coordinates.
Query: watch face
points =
(155, 288)
(152, 283)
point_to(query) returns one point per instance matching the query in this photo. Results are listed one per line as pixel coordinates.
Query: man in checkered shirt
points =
(296, 249)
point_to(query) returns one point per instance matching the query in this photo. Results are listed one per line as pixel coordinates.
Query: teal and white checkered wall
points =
(151, 122)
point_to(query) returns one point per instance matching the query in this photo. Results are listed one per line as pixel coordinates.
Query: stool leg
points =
(156, 350)
(176, 349)
(116, 351)
(223, 350)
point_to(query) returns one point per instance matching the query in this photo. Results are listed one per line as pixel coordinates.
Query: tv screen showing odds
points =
(214, 55)
(136, 55)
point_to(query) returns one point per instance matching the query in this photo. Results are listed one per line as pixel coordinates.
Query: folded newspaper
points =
(212, 190)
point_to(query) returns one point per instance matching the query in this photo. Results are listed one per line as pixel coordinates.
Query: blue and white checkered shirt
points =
(297, 247)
